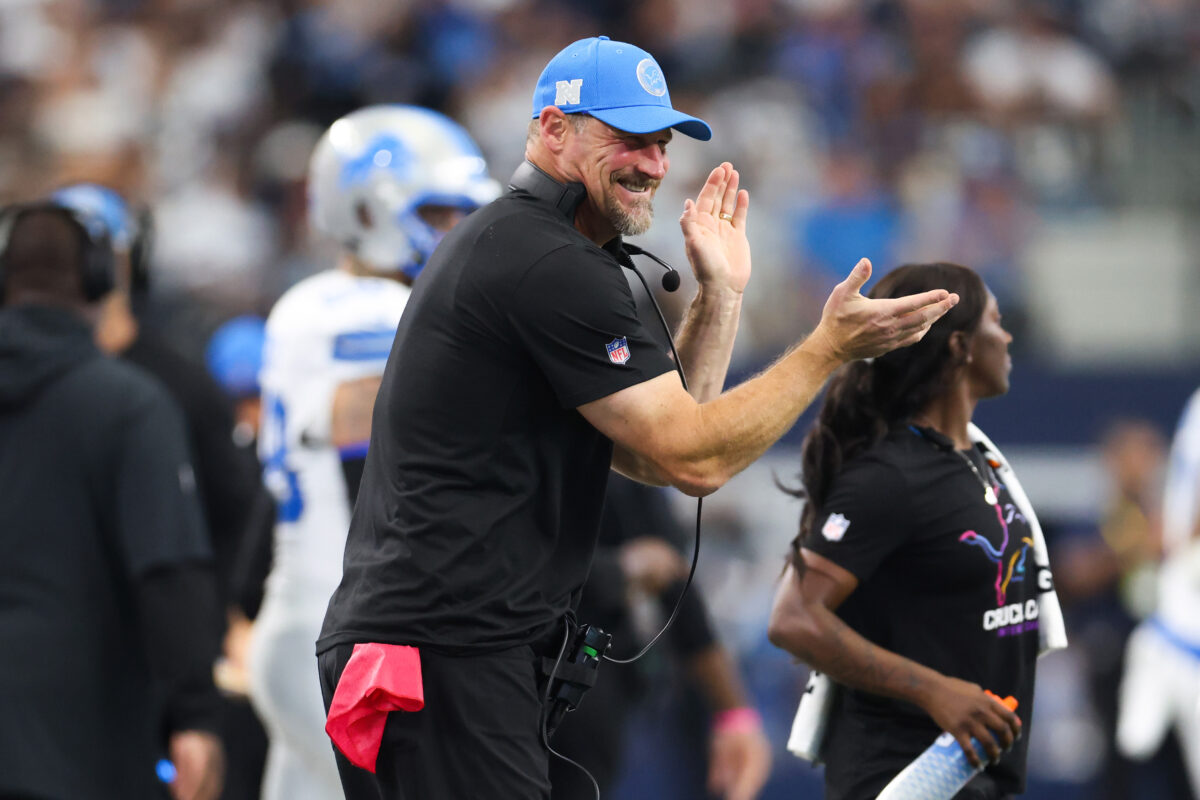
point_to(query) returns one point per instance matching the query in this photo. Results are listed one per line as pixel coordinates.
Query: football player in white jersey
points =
(386, 182)
(1161, 685)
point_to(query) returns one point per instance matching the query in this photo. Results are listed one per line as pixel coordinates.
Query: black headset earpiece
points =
(139, 253)
(97, 262)
(8, 215)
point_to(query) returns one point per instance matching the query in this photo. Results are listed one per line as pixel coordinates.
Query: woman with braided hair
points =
(911, 583)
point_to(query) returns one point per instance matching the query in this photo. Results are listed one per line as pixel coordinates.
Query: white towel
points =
(808, 728)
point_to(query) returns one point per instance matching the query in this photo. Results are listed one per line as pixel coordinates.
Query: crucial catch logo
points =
(618, 350)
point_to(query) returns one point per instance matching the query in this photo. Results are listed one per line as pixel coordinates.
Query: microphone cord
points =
(670, 283)
(545, 715)
(628, 263)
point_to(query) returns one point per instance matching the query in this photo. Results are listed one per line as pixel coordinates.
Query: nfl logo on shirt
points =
(618, 350)
(835, 527)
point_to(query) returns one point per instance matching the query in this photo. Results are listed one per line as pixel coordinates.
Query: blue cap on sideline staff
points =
(103, 204)
(235, 355)
(616, 83)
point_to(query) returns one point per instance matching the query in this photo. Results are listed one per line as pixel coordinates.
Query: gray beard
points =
(625, 223)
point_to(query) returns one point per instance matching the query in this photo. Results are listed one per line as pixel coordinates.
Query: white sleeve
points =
(297, 383)
(1181, 498)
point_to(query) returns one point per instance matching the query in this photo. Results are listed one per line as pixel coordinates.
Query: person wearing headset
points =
(226, 475)
(519, 375)
(110, 607)
(385, 182)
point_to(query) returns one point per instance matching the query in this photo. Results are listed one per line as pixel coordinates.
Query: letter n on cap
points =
(567, 92)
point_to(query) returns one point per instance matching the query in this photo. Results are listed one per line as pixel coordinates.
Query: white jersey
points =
(1161, 684)
(328, 329)
(1179, 580)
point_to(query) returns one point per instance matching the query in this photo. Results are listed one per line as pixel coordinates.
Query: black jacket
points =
(106, 602)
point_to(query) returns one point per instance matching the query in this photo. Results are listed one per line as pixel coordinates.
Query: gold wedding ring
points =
(726, 217)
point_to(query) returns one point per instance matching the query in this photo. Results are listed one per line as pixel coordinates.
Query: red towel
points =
(377, 679)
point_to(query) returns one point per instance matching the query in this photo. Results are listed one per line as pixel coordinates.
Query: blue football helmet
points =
(374, 169)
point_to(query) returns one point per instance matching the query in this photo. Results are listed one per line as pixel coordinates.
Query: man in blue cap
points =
(519, 376)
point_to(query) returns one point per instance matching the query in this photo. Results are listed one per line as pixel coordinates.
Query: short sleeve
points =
(296, 374)
(326, 331)
(863, 519)
(159, 521)
(574, 313)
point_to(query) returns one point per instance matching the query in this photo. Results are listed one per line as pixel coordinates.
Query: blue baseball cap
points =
(235, 354)
(616, 83)
(103, 205)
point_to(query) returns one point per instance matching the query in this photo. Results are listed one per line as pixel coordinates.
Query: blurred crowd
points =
(900, 129)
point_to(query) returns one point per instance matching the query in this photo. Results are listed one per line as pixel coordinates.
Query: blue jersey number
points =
(281, 481)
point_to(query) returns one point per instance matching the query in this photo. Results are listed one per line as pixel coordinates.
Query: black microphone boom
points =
(670, 279)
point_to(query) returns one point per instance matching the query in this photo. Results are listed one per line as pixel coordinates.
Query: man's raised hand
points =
(853, 326)
(714, 231)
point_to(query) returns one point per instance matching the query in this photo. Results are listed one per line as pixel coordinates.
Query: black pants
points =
(477, 738)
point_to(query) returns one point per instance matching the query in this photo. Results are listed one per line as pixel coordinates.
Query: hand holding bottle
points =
(947, 765)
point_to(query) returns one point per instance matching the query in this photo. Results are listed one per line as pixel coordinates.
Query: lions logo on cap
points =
(651, 77)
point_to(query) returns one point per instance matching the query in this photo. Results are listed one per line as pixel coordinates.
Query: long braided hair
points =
(867, 399)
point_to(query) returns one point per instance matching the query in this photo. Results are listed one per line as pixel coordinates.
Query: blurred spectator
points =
(174, 99)
(1029, 66)
(855, 218)
(234, 358)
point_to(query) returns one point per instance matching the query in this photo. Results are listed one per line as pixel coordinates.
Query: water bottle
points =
(941, 771)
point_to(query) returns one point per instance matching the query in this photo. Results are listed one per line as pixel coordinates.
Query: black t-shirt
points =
(480, 501)
(946, 579)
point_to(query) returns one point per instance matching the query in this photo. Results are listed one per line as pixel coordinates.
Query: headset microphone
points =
(670, 279)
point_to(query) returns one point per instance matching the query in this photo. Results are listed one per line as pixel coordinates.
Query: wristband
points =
(737, 720)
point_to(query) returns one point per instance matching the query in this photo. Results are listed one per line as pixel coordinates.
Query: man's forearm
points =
(697, 447)
(736, 428)
(705, 340)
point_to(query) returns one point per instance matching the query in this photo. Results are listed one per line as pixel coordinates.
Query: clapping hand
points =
(714, 231)
(853, 326)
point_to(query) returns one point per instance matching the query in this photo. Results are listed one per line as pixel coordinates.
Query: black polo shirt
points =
(946, 579)
(480, 501)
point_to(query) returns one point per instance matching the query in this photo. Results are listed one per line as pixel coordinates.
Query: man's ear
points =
(960, 347)
(554, 127)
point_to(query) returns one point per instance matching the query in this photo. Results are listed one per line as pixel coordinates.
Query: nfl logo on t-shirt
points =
(835, 527)
(618, 350)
